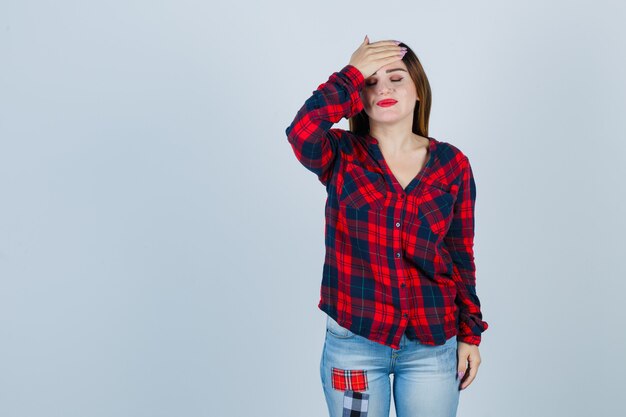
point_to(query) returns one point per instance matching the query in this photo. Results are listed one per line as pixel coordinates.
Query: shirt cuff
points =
(470, 339)
(357, 78)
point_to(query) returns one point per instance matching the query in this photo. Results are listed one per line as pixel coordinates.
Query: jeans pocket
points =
(447, 356)
(336, 329)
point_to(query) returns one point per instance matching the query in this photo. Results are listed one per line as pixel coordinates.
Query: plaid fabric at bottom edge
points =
(355, 404)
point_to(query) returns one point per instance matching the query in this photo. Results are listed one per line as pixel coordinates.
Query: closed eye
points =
(395, 81)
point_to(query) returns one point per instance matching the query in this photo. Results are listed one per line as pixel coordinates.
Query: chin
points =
(389, 119)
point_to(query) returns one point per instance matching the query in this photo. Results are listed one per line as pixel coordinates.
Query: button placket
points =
(398, 231)
(397, 238)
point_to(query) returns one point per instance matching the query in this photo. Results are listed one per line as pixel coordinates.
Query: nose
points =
(383, 87)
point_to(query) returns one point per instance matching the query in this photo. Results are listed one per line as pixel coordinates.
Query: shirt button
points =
(403, 285)
(405, 315)
(398, 254)
(398, 224)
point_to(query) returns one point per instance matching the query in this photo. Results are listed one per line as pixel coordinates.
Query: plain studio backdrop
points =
(161, 248)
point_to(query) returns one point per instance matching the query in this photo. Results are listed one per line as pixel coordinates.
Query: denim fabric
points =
(425, 380)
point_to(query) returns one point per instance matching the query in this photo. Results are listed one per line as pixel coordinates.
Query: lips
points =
(387, 102)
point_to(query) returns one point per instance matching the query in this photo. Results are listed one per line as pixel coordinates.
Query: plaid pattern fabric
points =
(353, 380)
(355, 404)
(397, 259)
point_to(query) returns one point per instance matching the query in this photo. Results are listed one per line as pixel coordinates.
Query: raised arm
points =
(310, 135)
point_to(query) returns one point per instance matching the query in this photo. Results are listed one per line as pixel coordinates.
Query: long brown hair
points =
(360, 123)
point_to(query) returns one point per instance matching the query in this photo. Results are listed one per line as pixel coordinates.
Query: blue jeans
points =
(355, 376)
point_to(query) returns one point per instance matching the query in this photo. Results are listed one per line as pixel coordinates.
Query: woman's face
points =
(391, 82)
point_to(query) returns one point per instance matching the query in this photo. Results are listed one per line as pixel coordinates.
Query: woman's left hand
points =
(469, 360)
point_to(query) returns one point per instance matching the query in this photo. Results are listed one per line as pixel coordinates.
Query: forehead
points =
(396, 67)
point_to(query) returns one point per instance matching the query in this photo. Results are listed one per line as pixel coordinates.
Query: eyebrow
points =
(393, 69)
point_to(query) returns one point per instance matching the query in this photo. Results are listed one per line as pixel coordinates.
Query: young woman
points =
(398, 283)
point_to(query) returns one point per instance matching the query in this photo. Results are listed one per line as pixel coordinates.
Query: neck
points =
(394, 138)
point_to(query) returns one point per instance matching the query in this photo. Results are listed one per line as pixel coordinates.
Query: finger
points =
(385, 51)
(394, 52)
(382, 44)
(466, 382)
(474, 359)
(462, 366)
(384, 48)
(462, 371)
(469, 377)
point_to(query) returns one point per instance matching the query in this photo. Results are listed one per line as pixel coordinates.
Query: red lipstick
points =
(387, 102)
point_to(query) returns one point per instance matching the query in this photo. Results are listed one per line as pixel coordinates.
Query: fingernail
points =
(460, 374)
(397, 42)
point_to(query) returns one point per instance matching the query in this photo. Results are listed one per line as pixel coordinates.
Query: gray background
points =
(161, 248)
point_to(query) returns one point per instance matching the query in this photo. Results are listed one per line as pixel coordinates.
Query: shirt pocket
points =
(363, 188)
(436, 203)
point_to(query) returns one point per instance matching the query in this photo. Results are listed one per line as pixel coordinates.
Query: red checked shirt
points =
(397, 260)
